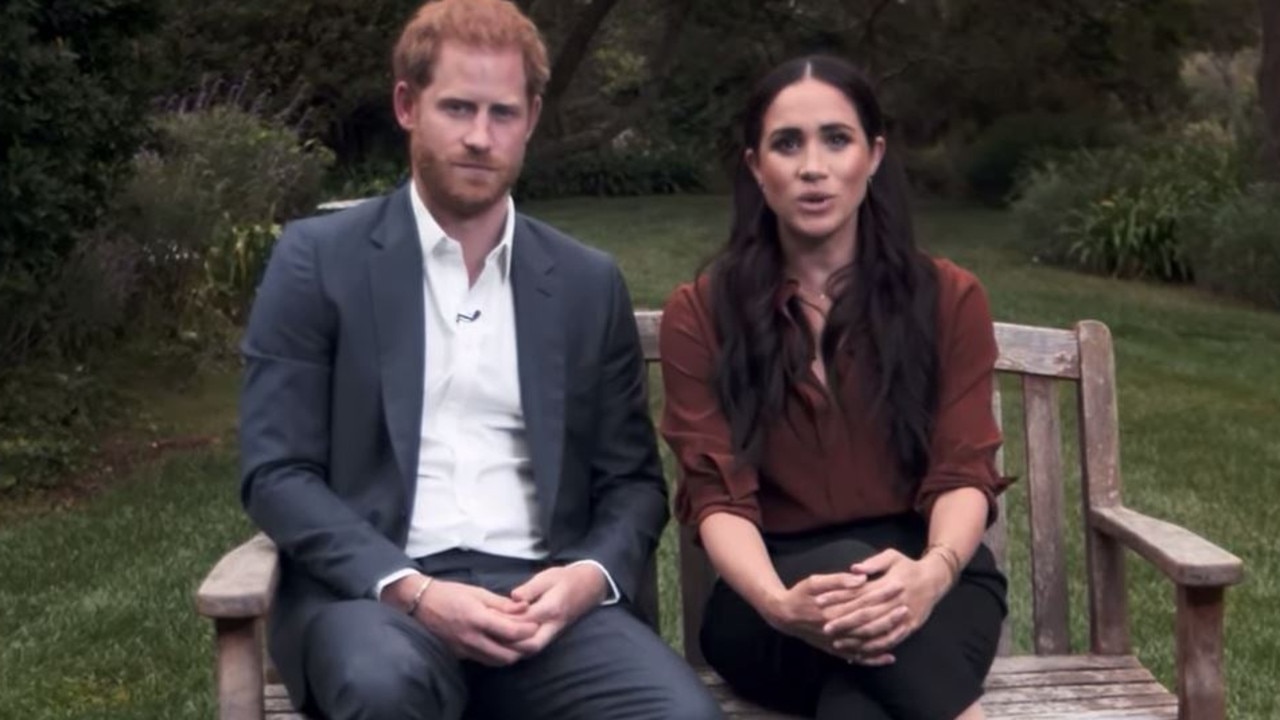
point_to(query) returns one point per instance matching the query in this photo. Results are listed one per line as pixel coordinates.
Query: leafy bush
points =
(92, 292)
(1235, 246)
(611, 172)
(71, 105)
(232, 265)
(198, 204)
(1222, 87)
(47, 419)
(1120, 211)
(166, 276)
(369, 177)
(331, 56)
(991, 164)
(932, 171)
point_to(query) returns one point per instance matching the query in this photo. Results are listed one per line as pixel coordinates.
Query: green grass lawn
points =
(96, 616)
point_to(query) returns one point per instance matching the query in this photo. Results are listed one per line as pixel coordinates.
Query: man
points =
(444, 430)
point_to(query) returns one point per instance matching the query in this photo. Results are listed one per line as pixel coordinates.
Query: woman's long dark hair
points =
(884, 314)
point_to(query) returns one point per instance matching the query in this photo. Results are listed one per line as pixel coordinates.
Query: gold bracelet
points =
(952, 575)
(949, 556)
(417, 597)
(954, 556)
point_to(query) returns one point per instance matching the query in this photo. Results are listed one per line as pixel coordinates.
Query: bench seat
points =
(1102, 681)
(1047, 687)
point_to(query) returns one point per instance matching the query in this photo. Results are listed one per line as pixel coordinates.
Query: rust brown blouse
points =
(829, 463)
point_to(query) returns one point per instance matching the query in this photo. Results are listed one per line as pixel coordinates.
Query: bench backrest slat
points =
(1100, 487)
(1043, 454)
(997, 535)
(1041, 359)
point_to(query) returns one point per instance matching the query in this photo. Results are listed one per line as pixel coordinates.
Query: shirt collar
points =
(432, 236)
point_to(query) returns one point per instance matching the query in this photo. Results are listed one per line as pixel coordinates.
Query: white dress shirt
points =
(475, 486)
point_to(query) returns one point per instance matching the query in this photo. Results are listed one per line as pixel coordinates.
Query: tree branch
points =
(574, 49)
(659, 63)
(869, 24)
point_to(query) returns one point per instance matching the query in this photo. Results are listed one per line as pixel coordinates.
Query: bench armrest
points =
(1184, 557)
(243, 582)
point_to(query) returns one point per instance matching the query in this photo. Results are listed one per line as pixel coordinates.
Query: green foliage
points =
(611, 173)
(1120, 211)
(47, 421)
(932, 171)
(329, 56)
(71, 104)
(232, 265)
(942, 67)
(1222, 87)
(201, 206)
(1235, 246)
(991, 164)
(227, 162)
(369, 177)
(172, 266)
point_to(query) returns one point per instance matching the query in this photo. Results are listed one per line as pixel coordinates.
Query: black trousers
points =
(939, 669)
(365, 660)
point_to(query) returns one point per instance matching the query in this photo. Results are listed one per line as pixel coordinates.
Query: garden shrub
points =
(71, 108)
(611, 173)
(1235, 246)
(1120, 211)
(198, 203)
(990, 165)
(164, 277)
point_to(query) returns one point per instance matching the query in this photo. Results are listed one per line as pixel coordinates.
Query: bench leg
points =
(239, 669)
(1201, 684)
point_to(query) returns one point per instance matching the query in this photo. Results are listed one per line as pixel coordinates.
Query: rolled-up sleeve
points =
(966, 436)
(693, 425)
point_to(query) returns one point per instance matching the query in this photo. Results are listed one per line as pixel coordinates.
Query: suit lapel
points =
(396, 282)
(540, 347)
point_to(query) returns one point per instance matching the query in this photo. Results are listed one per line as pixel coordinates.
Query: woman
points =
(828, 397)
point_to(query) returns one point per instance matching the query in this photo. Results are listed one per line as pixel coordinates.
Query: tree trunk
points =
(573, 50)
(1269, 86)
(660, 61)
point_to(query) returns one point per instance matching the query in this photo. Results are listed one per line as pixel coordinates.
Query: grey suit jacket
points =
(332, 402)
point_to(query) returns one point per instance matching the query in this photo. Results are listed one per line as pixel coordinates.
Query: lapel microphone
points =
(462, 317)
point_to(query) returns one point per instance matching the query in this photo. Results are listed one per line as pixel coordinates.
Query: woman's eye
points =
(786, 144)
(839, 141)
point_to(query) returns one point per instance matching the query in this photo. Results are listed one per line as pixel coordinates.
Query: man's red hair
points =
(495, 24)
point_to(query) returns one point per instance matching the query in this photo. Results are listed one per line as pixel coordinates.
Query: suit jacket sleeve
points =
(629, 495)
(284, 429)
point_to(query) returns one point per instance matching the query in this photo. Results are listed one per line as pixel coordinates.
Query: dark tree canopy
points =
(1269, 84)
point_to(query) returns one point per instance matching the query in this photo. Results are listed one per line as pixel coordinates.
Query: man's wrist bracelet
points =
(417, 596)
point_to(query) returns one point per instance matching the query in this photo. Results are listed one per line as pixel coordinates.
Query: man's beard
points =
(453, 194)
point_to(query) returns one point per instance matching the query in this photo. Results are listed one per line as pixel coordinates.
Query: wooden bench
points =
(1056, 681)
